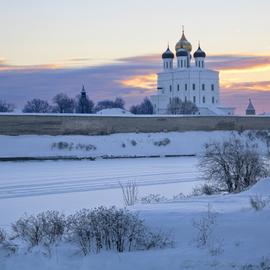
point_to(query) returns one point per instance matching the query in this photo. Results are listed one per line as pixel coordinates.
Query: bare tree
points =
(64, 104)
(37, 106)
(129, 192)
(232, 165)
(145, 107)
(6, 107)
(177, 106)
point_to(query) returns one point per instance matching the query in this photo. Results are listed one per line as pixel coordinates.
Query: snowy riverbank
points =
(110, 146)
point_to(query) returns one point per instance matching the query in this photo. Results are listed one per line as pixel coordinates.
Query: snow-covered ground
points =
(115, 145)
(240, 236)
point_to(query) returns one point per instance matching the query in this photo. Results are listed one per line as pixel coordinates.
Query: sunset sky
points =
(114, 47)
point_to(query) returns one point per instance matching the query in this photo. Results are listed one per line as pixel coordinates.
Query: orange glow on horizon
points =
(147, 81)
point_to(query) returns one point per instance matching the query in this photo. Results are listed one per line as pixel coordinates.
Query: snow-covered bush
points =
(258, 203)
(45, 228)
(204, 189)
(163, 142)
(233, 165)
(153, 198)
(130, 192)
(111, 229)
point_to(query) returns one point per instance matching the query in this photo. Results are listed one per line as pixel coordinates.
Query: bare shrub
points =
(62, 145)
(86, 147)
(45, 228)
(8, 246)
(263, 265)
(110, 229)
(156, 240)
(130, 192)
(258, 203)
(153, 198)
(163, 142)
(205, 228)
(232, 165)
(133, 142)
(70, 146)
(3, 236)
(204, 189)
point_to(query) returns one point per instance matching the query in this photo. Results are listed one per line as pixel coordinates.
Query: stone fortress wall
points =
(11, 124)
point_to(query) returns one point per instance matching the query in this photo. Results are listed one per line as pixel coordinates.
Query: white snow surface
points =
(115, 145)
(241, 233)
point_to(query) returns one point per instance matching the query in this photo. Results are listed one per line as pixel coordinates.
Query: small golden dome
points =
(183, 43)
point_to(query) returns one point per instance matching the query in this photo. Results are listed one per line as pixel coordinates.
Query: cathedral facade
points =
(187, 78)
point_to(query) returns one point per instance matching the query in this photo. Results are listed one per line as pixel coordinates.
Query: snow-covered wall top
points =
(11, 124)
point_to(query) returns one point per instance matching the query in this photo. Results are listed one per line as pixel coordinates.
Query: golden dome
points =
(183, 43)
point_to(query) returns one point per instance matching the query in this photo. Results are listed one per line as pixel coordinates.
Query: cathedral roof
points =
(183, 43)
(168, 54)
(182, 52)
(199, 53)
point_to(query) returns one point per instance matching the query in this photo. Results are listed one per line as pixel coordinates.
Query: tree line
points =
(62, 103)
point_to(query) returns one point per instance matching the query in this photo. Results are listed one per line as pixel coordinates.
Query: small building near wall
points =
(189, 81)
(250, 109)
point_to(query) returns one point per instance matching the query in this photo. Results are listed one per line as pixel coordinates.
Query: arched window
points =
(212, 87)
(178, 87)
(203, 99)
(194, 99)
(213, 100)
(193, 86)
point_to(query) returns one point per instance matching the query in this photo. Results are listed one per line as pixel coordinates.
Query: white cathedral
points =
(188, 81)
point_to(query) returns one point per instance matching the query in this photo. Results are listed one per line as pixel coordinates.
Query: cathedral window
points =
(194, 99)
(213, 100)
(170, 88)
(186, 87)
(203, 86)
(178, 87)
(203, 99)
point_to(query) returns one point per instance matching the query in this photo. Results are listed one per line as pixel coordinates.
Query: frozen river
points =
(68, 185)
